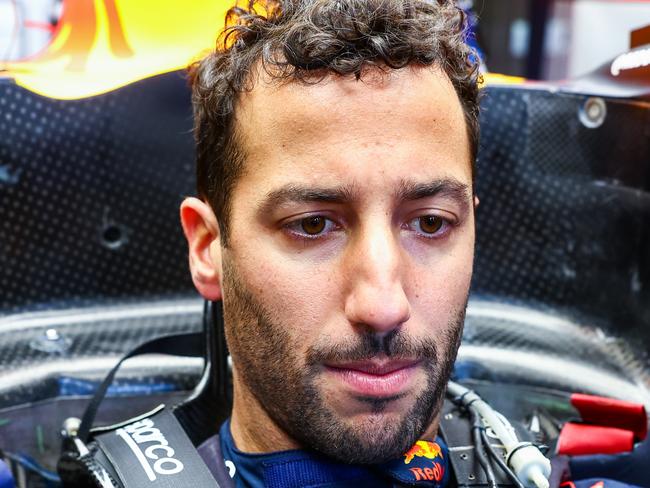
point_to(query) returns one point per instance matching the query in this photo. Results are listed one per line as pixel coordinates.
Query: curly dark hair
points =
(306, 40)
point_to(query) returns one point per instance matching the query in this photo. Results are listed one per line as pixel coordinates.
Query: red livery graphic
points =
(429, 450)
(434, 473)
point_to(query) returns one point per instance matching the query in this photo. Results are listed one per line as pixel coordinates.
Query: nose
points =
(375, 297)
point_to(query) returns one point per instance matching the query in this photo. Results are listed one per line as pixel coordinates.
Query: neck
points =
(253, 430)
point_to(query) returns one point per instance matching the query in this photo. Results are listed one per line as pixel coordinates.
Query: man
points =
(335, 149)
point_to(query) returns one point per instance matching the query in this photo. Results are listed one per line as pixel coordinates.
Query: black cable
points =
(478, 447)
(495, 455)
(476, 428)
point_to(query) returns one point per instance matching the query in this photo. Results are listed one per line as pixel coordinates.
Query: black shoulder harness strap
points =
(155, 449)
(155, 452)
(152, 450)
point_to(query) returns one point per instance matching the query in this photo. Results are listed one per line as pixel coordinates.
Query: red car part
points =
(609, 412)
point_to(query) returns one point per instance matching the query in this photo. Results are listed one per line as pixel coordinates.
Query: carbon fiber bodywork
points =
(89, 195)
(91, 248)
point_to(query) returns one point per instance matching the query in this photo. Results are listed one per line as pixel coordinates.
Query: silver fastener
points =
(593, 112)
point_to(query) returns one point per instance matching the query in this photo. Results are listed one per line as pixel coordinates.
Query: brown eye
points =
(313, 225)
(430, 224)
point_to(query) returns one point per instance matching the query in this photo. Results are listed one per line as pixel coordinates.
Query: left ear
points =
(476, 202)
(203, 238)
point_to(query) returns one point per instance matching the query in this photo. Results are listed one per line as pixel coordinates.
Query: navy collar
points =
(425, 465)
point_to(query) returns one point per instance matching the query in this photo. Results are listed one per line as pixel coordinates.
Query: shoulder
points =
(210, 452)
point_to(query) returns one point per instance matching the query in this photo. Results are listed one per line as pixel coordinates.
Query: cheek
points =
(299, 294)
(440, 288)
(460, 263)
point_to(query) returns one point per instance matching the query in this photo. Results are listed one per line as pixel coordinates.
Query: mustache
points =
(395, 345)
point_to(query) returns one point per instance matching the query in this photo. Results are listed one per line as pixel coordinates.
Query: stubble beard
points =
(288, 390)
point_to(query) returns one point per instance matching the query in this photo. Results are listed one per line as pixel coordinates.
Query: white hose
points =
(526, 460)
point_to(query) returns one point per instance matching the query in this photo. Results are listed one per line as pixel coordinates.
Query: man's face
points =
(349, 259)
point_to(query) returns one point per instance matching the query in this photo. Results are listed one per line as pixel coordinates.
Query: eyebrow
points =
(446, 188)
(407, 191)
(300, 194)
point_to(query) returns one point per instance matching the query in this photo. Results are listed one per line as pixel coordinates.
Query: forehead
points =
(402, 120)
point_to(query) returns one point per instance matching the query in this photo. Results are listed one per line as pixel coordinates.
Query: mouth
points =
(375, 378)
